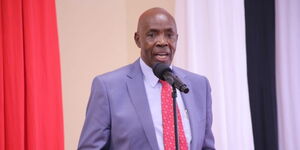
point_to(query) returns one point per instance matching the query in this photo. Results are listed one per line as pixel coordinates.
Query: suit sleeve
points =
(95, 134)
(209, 141)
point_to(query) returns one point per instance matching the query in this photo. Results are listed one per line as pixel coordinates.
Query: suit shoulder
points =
(115, 75)
(191, 75)
(197, 81)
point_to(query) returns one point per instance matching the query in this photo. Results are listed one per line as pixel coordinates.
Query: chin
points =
(165, 62)
(168, 62)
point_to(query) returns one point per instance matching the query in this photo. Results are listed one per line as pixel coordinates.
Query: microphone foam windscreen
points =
(159, 69)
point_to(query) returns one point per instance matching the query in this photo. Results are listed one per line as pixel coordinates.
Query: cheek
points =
(148, 43)
(173, 47)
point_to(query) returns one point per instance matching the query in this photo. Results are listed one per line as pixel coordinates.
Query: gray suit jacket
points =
(118, 115)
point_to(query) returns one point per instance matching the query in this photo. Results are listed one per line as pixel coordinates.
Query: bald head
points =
(153, 13)
(156, 36)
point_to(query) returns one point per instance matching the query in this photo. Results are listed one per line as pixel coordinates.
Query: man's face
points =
(157, 38)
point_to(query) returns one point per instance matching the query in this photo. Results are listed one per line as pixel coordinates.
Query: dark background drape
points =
(260, 44)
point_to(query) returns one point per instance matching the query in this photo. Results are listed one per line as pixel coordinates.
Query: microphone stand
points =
(174, 95)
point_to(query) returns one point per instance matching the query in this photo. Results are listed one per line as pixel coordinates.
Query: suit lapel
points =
(138, 96)
(189, 102)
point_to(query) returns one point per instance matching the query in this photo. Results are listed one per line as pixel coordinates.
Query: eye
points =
(171, 35)
(150, 34)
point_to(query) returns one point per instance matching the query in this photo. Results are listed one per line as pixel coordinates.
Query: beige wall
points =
(96, 36)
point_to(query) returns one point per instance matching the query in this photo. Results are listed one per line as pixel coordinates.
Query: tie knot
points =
(163, 83)
(166, 86)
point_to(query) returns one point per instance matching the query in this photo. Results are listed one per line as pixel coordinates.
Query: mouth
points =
(162, 57)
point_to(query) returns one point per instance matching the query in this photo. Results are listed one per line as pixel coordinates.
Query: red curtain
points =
(30, 83)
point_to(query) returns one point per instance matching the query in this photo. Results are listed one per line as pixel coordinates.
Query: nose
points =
(161, 42)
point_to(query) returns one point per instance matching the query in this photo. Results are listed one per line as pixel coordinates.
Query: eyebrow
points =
(152, 30)
(170, 30)
(156, 30)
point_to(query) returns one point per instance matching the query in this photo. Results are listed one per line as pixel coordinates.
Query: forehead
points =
(158, 21)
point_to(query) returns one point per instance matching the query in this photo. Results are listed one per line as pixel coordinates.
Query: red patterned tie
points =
(168, 120)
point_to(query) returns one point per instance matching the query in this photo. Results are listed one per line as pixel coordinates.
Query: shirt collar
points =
(148, 73)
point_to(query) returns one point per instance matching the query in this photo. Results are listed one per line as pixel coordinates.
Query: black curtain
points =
(260, 44)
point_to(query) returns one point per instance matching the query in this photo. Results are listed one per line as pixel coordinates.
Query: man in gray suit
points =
(124, 110)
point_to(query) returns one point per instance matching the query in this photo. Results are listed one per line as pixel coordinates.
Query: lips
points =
(161, 56)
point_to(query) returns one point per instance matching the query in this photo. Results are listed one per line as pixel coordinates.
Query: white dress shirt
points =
(153, 90)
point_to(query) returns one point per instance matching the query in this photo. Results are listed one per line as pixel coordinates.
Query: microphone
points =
(163, 72)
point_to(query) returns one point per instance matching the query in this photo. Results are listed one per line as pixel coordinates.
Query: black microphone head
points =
(159, 69)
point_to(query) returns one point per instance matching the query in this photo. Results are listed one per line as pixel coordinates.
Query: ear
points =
(137, 39)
